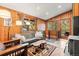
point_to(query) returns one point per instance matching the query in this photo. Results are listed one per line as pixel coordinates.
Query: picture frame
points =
(7, 22)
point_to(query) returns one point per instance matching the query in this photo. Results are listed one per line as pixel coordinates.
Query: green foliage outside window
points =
(52, 25)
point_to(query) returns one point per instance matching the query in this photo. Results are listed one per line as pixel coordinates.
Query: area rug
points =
(47, 51)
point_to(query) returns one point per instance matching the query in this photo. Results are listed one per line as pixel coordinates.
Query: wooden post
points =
(75, 19)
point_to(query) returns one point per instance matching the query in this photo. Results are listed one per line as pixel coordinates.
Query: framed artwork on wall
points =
(7, 22)
(28, 25)
(32, 26)
(41, 27)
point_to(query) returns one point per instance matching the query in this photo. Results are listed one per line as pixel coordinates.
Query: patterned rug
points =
(49, 49)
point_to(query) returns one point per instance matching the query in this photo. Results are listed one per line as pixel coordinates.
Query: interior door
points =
(52, 27)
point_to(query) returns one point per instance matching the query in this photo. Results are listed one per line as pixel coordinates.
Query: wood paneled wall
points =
(60, 17)
(15, 15)
(76, 9)
(4, 29)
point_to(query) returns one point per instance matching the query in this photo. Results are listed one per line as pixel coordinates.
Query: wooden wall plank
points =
(15, 15)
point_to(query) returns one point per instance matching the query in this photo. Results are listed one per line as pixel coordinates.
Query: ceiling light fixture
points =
(59, 6)
(37, 8)
(47, 13)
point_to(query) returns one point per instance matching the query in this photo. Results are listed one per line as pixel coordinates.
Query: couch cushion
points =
(2, 46)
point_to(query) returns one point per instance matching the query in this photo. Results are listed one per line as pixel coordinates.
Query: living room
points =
(36, 29)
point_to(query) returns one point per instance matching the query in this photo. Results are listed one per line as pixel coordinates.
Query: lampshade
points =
(18, 22)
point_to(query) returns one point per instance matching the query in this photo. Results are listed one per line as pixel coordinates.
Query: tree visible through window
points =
(65, 26)
(52, 25)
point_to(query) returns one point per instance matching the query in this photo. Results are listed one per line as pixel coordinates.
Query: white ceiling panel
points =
(41, 10)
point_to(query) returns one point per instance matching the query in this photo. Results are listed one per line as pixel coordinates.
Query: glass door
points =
(65, 26)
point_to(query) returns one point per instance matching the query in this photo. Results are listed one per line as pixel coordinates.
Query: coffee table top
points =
(38, 42)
